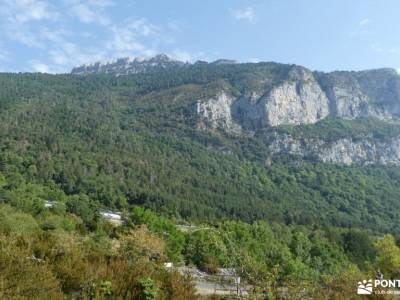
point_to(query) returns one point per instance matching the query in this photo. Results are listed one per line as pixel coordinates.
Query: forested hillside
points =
(114, 142)
(135, 144)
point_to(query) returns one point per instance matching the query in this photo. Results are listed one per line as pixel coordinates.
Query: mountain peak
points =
(162, 58)
(139, 64)
(129, 65)
(224, 61)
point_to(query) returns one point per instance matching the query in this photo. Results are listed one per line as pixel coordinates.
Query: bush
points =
(148, 290)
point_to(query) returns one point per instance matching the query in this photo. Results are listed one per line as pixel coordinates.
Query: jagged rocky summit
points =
(129, 65)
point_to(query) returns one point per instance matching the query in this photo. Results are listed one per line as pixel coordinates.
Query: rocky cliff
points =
(374, 93)
(275, 94)
(127, 65)
(304, 97)
(249, 98)
(346, 151)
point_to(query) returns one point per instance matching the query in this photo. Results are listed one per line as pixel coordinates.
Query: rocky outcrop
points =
(303, 97)
(296, 100)
(248, 98)
(342, 151)
(216, 112)
(275, 94)
(127, 65)
(374, 93)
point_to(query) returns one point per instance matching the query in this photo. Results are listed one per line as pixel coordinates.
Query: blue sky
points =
(53, 36)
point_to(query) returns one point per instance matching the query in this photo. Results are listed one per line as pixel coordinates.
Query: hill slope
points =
(162, 139)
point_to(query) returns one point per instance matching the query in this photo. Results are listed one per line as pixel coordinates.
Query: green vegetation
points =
(95, 141)
(130, 143)
(331, 129)
(40, 261)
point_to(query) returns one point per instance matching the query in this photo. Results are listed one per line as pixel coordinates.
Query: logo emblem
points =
(364, 287)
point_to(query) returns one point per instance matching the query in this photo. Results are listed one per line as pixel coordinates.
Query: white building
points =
(49, 204)
(112, 217)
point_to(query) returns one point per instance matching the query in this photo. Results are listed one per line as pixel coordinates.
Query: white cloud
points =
(25, 36)
(4, 55)
(22, 11)
(101, 3)
(384, 50)
(254, 60)
(40, 67)
(363, 28)
(47, 27)
(54, 35)
(376, 47)
(126, 37)
(174, 26)
(70, 55)
(365, 22)
(186, 56)
(39, 39)
(246, 14)
(88, 13)
(17, 17)
(142, 27)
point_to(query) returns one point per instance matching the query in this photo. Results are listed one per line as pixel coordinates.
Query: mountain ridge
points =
(140, 64)
(242, 98)
(161, 58)
(137, 140)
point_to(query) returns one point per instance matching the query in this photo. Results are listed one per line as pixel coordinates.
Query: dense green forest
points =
(130, 143)
(331, 129)
(107, 141)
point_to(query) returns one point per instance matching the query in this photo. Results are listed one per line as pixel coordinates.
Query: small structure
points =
(229, 283)
(50, 204)
(168, 265)
(112, 217)
(224, 283)
(228, 272)
(186, 228)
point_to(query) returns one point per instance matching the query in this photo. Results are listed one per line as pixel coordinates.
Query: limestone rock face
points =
(249, 111)
(216, 112)
(374, 93)
(304, 97)
(342, 151)
(298, 100)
